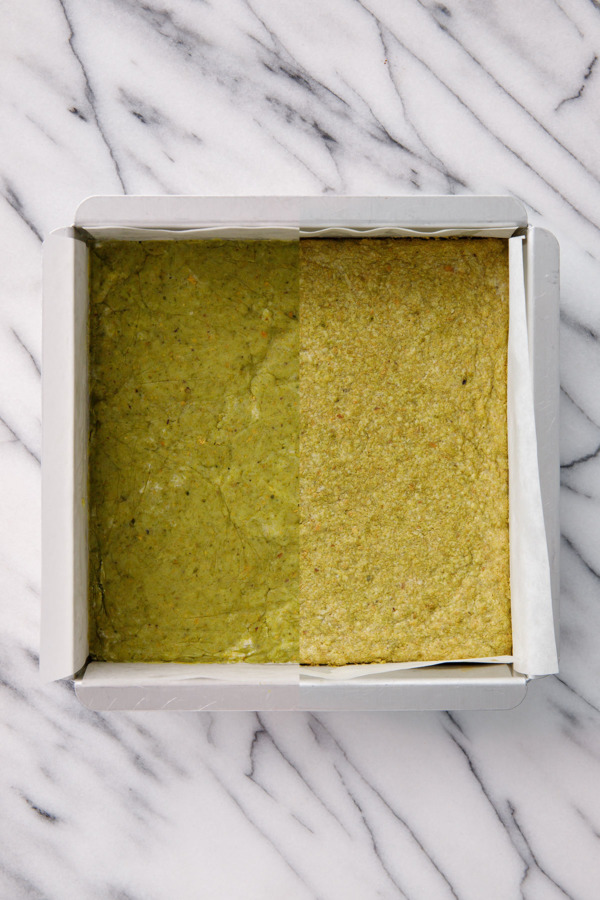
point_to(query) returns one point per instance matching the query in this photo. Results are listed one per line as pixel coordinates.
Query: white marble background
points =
(299, 96)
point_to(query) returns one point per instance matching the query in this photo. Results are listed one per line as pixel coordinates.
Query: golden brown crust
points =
(403, 450)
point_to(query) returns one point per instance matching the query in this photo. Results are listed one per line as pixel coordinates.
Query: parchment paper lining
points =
(534, 641)
(234, 673)
(533, 633)
(534, 647)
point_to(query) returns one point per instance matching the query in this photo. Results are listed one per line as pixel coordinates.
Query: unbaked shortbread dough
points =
(193, 462)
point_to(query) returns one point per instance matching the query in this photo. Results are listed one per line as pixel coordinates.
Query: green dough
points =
(193, 451)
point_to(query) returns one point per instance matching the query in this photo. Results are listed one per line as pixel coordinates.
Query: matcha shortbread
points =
(403, 450)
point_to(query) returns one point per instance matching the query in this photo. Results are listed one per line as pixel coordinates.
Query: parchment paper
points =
(534, 647)
(534, 642)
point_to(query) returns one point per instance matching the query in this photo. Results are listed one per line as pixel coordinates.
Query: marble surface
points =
(199, 96)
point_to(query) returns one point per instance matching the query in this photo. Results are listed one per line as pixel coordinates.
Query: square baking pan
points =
(64, 642)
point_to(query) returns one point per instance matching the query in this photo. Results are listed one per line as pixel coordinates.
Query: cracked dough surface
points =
(403, 450)
(193, 466)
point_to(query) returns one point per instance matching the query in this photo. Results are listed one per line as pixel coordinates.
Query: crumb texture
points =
(403, 450)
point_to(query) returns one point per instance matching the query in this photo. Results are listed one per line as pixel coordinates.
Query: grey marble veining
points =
(192, 96)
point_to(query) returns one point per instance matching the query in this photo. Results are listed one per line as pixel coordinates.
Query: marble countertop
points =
(253, 97)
